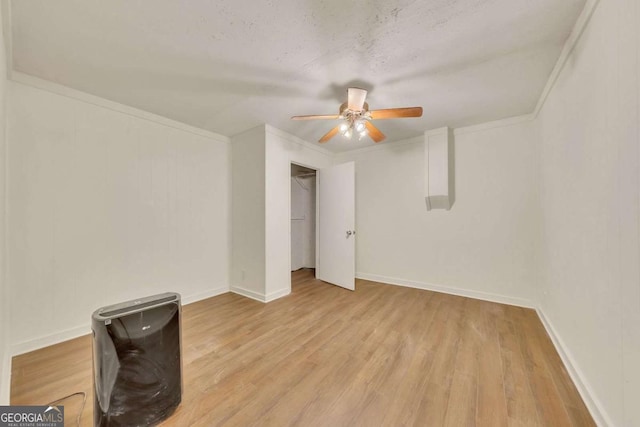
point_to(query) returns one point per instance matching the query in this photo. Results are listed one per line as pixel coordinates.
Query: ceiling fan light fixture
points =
(356, 117)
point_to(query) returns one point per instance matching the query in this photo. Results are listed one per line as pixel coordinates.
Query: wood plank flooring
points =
(324, 356)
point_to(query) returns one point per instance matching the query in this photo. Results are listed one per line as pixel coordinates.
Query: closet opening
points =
(303, 219)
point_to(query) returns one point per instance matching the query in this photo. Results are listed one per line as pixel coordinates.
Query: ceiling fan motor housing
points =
(357, 117)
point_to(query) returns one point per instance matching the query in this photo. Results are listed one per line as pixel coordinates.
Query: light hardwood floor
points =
(324, 356)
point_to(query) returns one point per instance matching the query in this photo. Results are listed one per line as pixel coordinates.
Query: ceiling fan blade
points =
(393, 113)
(355, 98)
(374, 132)
(327, 136)
(316, 117)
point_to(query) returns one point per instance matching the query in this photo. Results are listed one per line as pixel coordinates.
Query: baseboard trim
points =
(277, 294)
(78, 331)
(204, 295)
(51, 339)
(586, 392)
(260, 296)
(485, 296)
(248, 293)
(5, 381)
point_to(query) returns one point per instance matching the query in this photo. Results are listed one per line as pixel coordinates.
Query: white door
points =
(336, 261)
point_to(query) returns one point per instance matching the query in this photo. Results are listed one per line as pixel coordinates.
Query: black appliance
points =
(137, 363)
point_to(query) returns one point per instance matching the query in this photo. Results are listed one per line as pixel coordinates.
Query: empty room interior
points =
(321, 213)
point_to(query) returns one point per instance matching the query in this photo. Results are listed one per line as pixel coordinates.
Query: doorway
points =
(303, 218)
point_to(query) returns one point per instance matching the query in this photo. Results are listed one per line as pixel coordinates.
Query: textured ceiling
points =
(230, 65)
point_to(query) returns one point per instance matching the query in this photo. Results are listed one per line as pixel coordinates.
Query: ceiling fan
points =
(357, 117)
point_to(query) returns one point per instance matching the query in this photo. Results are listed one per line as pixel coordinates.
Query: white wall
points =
(248, 207)
(590, 293)
(303, 222)
(281, 150)
(5, 355)
(106, 206)
(261, 167)
(483, 247)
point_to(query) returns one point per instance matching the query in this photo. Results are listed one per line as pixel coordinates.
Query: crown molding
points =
(48, 86)
(437, 131)
(569, 46)
(385, 146)
(509, 121)
(294, 139)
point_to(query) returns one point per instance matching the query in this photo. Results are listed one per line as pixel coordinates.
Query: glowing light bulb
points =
(344, 127)
(363, 134)
(360, 127)
(347, 134)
